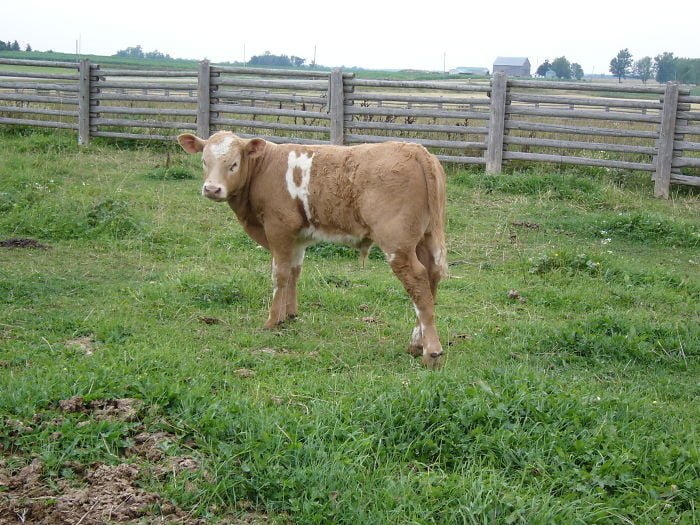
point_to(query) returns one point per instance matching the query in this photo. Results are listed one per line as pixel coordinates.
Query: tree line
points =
(269, 60)
(663, 67)
(265, 60)
(13, 46)
(138, 52)
(561, 67)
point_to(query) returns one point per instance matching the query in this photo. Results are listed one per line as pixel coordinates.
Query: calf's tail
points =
(436, 181)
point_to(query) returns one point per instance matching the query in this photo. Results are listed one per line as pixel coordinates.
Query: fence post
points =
(84, 102)
(667, 132)
(336, 107)
(203, 99)
(494, 141)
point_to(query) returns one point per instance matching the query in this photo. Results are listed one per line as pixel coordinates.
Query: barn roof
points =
(510, 61)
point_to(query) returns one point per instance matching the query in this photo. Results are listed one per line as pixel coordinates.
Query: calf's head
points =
(226, 160)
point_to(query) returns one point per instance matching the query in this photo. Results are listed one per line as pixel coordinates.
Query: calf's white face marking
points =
(301, 192)
(221, 148)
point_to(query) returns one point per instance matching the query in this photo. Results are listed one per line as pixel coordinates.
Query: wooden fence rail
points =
(616, 126)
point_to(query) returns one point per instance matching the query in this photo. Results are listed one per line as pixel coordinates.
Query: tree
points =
(157, 54)
(543, 68)
(576, 71)
(621, 65)
(131, 52)
(665, 67)
(643, 69)
(562, 67)
(15, 46)
(688, 70)
(298, 61)
(28, 49)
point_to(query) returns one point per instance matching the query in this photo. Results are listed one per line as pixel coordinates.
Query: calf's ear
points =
(255, 147)
(191, 143)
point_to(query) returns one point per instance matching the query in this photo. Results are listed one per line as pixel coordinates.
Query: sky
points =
(429, 35)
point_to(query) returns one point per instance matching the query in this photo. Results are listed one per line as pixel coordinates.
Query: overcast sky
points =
(371, 34)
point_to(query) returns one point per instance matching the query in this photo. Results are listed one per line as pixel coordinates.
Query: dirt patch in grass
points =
(97, 493)
(125, 409)
(20, 242)
(85, 343)
(526, 224)
(104, 494)
(151, 445)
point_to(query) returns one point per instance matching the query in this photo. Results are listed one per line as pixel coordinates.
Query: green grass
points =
(574, 401)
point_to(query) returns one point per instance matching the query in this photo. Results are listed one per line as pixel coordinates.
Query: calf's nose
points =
(211, 189)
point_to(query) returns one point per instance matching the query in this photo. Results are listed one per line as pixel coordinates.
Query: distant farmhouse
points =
(476, 71)
(512, 66)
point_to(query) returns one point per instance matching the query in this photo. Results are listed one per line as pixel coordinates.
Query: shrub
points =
(112, 216)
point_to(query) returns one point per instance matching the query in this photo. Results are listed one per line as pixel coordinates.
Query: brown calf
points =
(288, 197)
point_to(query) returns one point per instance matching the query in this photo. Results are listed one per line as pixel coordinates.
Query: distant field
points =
(570, 392)
(192, 64)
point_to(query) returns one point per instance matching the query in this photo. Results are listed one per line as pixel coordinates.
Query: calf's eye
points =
(233, 166)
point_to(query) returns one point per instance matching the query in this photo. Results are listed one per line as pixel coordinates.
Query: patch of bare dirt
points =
(106, 494)
(515, 295)
(526, 224)
(19, 242)
(150, 445)
(91, 494)
(209, 320)
(125, 409)
(85, 343)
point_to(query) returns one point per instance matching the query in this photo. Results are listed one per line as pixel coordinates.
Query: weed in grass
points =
(563, 187)
(208, 291)
(327, 250)
(112, 216)
(565, 261)
(171, 173)
(7, 201)
(604, 337)
(649, 228)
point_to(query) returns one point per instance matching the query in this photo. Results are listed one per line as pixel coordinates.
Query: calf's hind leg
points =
(426, 258)
(415, 278)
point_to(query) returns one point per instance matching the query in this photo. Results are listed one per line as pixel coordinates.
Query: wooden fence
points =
(609, 125)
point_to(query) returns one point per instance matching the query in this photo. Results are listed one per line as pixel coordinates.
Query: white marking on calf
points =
(417, 336)
(221, 148)
(301, 192)
(439, 258)
(422, 328)
(390, 257)
(274, 275)
(298, 255)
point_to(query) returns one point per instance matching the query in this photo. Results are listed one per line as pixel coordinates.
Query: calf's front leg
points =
(281, 281)
(286, 268)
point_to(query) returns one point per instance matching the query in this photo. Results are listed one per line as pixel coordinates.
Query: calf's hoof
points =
(433, 360)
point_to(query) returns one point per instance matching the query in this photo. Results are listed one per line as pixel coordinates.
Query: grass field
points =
(570, 391)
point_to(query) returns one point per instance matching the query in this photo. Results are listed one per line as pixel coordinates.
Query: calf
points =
(288, 197)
